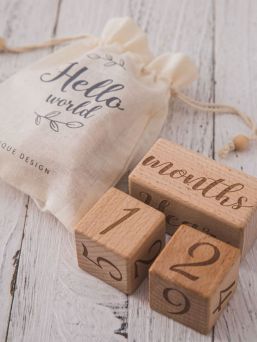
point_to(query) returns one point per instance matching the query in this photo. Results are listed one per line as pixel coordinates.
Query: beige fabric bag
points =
(74, 122)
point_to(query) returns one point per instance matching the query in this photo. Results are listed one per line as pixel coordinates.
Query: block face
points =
(118, 239)
(192, 189)
(193, 278)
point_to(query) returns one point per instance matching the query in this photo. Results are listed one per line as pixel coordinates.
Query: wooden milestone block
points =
(193, 278)
(118, 239)
(195, 190)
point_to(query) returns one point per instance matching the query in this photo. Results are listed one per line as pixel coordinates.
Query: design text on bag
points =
(216, 189)
(22, 156)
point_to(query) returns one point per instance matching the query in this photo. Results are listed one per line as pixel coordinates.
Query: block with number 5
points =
(193, 278)
(118, 239)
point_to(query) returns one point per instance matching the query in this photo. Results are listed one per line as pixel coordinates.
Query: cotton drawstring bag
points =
(74, 122)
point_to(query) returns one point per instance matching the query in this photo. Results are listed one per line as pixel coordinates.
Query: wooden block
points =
(118, 239)
(192, 189)
(193, 278)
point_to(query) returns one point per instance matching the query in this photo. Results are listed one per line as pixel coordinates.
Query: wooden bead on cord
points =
(241, 142)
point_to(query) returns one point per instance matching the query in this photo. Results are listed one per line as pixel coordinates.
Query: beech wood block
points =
(193, 278)
(195, 190)
(118, 239)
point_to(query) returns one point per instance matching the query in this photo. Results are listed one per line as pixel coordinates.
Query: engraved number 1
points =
(122, 219)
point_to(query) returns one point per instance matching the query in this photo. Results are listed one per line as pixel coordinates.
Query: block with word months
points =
(195, 190)
(193, 278)
(118, 239)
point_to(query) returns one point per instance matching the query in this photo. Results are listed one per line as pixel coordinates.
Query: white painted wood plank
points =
(12, 216)
(55, 300)
(17, 27)
(236, 77)
(189, 28)
(176, 26)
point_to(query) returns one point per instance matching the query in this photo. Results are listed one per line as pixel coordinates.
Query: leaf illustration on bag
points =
(93, 56)
(52, 114)
(111, 63)
(54, 126)
(74, 124)
(109, 57)
(37, 120)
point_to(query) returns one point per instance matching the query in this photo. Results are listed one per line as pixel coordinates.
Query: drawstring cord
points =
(239, 142)
(4, 48)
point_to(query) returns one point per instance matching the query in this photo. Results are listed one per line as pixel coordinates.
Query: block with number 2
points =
(193, 278)
(118, 239)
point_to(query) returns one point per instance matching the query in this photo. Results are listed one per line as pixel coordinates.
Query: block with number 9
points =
(193, 278)
(118, 239)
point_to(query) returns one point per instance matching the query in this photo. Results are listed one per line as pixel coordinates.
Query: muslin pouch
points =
(73, 123)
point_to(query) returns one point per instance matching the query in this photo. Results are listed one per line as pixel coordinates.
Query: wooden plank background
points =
(43, 294)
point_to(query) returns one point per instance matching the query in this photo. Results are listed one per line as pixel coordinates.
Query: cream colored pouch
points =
(73, 123)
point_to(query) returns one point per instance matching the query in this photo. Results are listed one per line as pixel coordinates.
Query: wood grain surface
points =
(44, 296)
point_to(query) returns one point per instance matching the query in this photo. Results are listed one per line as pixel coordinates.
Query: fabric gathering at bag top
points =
(74, 122)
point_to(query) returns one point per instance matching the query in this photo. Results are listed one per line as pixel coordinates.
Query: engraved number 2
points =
(210, 261)
(157, 243)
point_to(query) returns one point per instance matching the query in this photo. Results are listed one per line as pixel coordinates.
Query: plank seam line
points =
(16, 269)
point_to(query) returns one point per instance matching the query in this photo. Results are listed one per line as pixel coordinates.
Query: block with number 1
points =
(118, 239)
